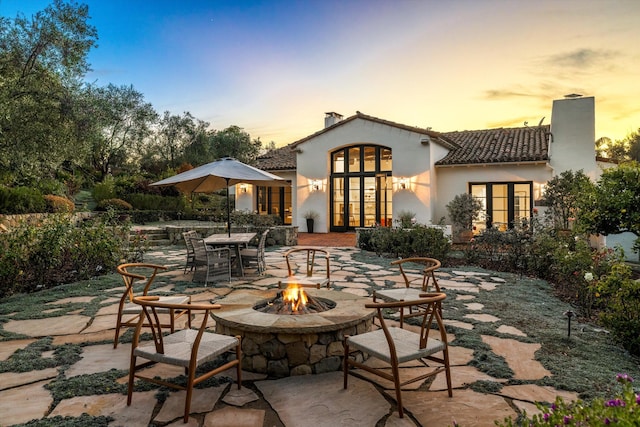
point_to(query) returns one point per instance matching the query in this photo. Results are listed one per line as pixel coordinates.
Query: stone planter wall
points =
(12, 221)
(282, 235)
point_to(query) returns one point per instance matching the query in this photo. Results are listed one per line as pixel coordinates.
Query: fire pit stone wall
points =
(286, 345)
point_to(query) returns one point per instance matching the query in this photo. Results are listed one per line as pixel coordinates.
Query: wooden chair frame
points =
(126, 305)
(415, 346)
(151, 307)
(308, 279)
(428, 274)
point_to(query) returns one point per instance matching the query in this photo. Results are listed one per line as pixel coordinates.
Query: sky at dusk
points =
(275, 67)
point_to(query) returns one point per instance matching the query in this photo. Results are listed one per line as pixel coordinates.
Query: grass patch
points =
(88, 385)
(83, 420)
(30, 358)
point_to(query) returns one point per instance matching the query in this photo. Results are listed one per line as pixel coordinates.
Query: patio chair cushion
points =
(177, 348)
(406, 342)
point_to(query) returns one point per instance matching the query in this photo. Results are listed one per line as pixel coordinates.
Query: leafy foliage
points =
(623, 409)
(614, 203)
(622, 306)
(58, 251)
(117, 204)
(42, 58)
(463, 209)
(563, 194)
(20, 200)
(58, 204)
(420, 240)
(406, 219)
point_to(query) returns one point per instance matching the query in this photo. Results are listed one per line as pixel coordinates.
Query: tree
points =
(172, 135)
(200, 151)
(42, 60)
(463, 210)
(613, 206)
(270, 146)
(562, 196)
(235, 142)
(633, 142)
(123, 121)
(602, 145)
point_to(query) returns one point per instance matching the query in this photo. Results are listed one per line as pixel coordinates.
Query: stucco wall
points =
(454, 181)
(411, 159)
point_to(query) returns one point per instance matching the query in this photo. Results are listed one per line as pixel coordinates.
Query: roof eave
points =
(485, 164)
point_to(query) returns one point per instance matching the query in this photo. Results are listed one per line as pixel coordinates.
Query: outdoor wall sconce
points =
(315, 184)
(243, 188)
(402, 183)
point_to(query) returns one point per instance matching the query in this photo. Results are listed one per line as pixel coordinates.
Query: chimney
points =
(573, 130)
(331, 119)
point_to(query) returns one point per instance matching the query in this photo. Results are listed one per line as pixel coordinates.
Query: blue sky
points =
(275, 67)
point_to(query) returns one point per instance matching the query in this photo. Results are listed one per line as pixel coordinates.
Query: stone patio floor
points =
(309, 400)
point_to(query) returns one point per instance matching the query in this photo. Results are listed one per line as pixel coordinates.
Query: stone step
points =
(159, 242)
(155, 237)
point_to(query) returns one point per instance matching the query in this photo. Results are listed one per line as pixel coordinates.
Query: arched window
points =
(361, 187)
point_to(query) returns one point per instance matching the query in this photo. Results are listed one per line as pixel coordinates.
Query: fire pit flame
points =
(294, 300)
(295, 296)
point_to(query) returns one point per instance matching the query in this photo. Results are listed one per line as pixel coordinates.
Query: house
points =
(361, 170)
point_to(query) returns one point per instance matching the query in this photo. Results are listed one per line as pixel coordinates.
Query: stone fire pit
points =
(281, 345)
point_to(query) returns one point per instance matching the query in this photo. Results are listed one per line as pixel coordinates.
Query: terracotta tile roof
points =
(502, 145)
(280, 159)
(437, 136)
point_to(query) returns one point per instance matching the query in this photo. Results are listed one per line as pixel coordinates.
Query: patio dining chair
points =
(136, 275)
(211, 263)
(415, 284)
(308, 267)
(188, 348)
(256, 254)
(190, 262)
(396, 346)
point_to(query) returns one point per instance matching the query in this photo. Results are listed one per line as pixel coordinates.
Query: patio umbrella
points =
(219, 174)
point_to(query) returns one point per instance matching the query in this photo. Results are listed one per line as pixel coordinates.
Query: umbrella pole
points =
(228, 210)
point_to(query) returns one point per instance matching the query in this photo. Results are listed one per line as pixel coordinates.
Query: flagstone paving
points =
(305, 400)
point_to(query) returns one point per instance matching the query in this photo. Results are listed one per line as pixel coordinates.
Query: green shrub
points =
(116, 204)
(104, 190)
(50, 186)
(155, 202)
(21, 200)
(406, 219)
(421, 240)
(623, 410)
(57, 251)
(59, 204)
(429, 242)
(621, 308)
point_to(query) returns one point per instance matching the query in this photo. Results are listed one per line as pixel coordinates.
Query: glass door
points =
(384, 193)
